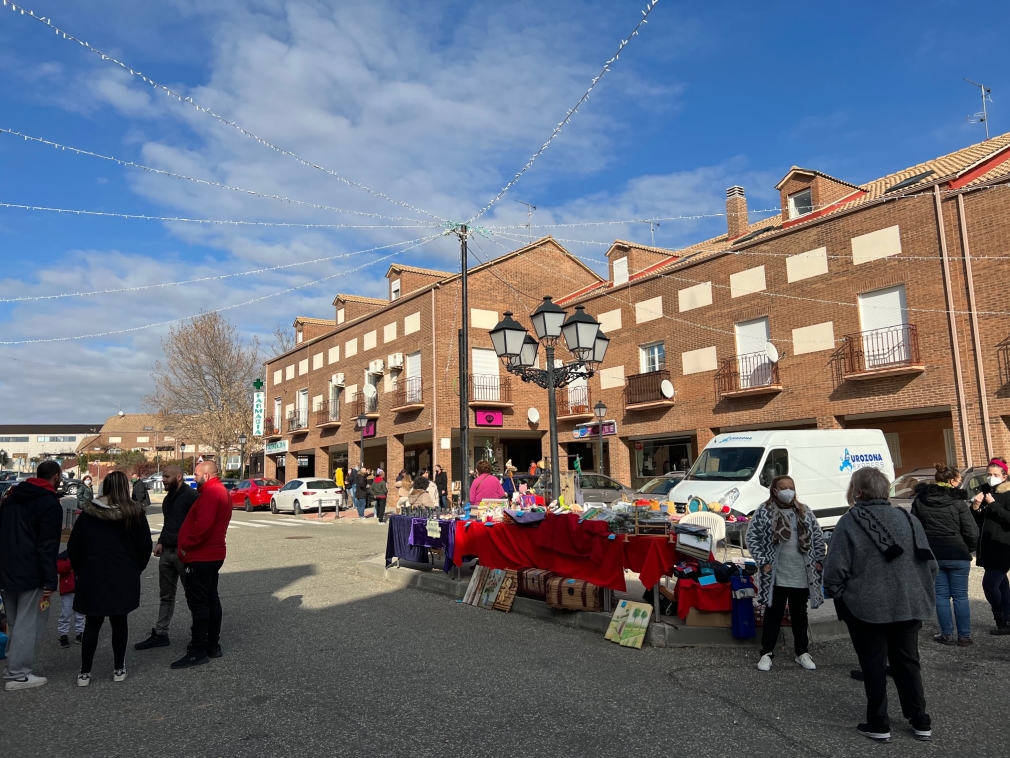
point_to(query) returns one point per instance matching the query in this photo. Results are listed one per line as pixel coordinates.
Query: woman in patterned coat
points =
(786, 542)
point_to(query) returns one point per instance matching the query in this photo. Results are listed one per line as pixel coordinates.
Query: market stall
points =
(409, 539)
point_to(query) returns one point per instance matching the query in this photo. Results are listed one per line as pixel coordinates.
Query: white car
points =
(301, 495)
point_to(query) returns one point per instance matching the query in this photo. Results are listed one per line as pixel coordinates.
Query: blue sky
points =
(436, 105)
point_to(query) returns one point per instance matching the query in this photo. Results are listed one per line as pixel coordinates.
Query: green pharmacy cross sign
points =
(259, 408)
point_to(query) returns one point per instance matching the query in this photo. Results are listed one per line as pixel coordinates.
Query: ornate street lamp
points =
(600, 409)
(518, 353)
(362, 421)
(182, 452)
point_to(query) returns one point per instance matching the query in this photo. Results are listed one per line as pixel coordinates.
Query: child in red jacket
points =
(67, 585)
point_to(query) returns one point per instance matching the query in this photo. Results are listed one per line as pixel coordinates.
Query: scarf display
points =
(782, 531)
(881, 536)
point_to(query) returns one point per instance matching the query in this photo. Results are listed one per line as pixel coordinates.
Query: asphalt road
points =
(320, 661)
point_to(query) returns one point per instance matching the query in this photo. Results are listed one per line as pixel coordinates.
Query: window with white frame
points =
(652, 357)
(801, 203)
(278, 412)
(394, 290)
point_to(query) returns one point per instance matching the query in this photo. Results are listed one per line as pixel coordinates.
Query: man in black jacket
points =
(140, 494)
(442, 485)
(31, 518)
(179, 498)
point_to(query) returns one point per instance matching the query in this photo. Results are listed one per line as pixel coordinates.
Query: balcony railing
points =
(407, 394)
(749, 374)
(270, 427)
(327, 413)
(574, 401)
(298, 420)
(365, 404)
(642, 389)
(489, 388)
(891, 350)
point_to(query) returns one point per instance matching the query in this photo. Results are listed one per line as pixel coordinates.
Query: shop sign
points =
(488, 418)
(259, 408)
(278, 446)
(639, 445)
(583, 431)
(369, 430)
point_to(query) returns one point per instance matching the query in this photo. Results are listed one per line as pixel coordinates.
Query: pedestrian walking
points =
(202, 550)
(31, 518)
(179, 498)
(68, 584)
(109, 548)
(419, 495)
(942, 509)
(85, 493)
(442, 486)
(785, 540)
(881, 574)
(432, 490)
(486, 485)
(361, 491)
(140, 494)
(379, 491)
(991, 509)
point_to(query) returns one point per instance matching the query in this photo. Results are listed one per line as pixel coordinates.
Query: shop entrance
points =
(522, 452)
(279, 461)
(914, 442)
(306, 464)
(416, 459)
(375, 455)
(338, 460)
(656, 457)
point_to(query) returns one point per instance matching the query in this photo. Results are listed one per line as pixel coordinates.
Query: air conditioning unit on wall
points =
(337, 380)
(376, 366)
(396, 361)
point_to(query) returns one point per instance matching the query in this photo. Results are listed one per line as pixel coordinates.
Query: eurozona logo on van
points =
(852, 461)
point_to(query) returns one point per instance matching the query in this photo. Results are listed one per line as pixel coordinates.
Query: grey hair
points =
(870, 483)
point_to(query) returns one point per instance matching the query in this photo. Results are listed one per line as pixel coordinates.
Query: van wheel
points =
(273, 506)
(298, 508)
(248, 506)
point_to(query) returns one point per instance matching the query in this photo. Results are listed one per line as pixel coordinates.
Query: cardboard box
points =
(709, 618)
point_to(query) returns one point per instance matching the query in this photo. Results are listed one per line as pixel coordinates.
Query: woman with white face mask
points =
(991, 509)
(785, 540)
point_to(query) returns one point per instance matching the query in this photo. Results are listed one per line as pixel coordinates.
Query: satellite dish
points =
(533, 415)
(772, 352)
(369, 391)
(666, 387)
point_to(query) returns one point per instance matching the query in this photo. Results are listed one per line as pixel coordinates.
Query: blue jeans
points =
(996, 587)
(952, 584)
(360, 505)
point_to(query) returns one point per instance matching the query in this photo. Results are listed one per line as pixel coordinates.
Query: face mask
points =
(786, 496)
(995, 481)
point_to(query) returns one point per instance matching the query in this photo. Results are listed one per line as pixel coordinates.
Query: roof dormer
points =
(629, 258)
(806, 191)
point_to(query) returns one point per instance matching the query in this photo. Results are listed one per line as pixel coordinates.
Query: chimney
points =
(736, 212)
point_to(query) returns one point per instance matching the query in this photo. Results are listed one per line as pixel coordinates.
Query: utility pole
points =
(464, 375)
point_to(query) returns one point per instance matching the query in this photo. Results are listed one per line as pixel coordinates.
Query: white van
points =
(735, 469)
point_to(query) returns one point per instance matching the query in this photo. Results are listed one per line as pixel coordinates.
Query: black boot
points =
(1002, 625)
(155, 640)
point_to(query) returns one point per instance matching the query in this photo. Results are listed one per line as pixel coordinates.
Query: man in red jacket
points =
(202, 551)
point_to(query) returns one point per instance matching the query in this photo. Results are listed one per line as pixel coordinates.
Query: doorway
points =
(521, 452)
(306, 464)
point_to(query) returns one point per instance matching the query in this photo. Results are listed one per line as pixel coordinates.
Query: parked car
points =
(658, 489)
(230, 484)
(190, 480)
(599, 488)
(300, 495)
(903, 488)
(254, 493)
(4, 486)
(8, 475)
(69, 486)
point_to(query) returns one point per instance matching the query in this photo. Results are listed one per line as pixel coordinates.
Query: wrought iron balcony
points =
(574, 403)
(271, 428)
(642, 391)
(364, 404)
(407, 395)
(327, 413)
(298, 420)
(889, 351)
(490, 391)
(748, 374)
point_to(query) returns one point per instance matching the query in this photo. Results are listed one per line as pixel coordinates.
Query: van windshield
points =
(726, 464)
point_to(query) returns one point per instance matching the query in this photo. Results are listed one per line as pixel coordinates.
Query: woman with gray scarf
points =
(881, 573)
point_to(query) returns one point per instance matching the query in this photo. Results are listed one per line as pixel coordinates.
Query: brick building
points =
(885, 302)
(142, 432)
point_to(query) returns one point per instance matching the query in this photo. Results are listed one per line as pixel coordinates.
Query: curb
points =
(660, 635)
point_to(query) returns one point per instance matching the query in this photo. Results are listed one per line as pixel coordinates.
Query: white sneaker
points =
(119, 675)
(765, 664)
(25, 683)
(806, 662)
(83, 680)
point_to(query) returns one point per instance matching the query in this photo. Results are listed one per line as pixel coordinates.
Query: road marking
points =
(300, 522)
(272, 523)
(250, 523)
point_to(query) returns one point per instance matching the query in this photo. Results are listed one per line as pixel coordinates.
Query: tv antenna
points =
(653, 226)
(530, 209)
(982, 117)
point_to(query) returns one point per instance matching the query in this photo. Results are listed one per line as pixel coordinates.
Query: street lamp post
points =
(242, 439)
(182, 452)
(600, 409)
(362, 423)
(518, 353)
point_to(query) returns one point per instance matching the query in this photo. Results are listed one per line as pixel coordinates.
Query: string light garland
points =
(568, 116)
(218, 277)
(189, 101)
(206, 182)
(132, 329)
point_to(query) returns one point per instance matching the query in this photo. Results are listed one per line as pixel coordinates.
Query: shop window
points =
(652, 357)
(893, 447)
(801, 203)
(657, 457)
(776, 464)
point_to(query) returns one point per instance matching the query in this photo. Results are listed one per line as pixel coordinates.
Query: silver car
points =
(599, 488)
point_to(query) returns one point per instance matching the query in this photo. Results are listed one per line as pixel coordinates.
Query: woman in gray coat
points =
(881, 573)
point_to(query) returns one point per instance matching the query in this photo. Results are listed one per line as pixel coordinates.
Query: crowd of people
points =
(98, 575)
(368, 489)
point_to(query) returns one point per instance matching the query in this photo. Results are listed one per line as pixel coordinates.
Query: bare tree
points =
(284, 340)
(204, 388)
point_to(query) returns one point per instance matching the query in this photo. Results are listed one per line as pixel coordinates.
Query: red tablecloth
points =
(712, 597)
(562, 545)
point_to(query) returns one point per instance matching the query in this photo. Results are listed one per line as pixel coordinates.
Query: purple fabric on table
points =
(408, 539)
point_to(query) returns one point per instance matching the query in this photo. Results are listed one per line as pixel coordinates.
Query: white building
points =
(22, 444)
